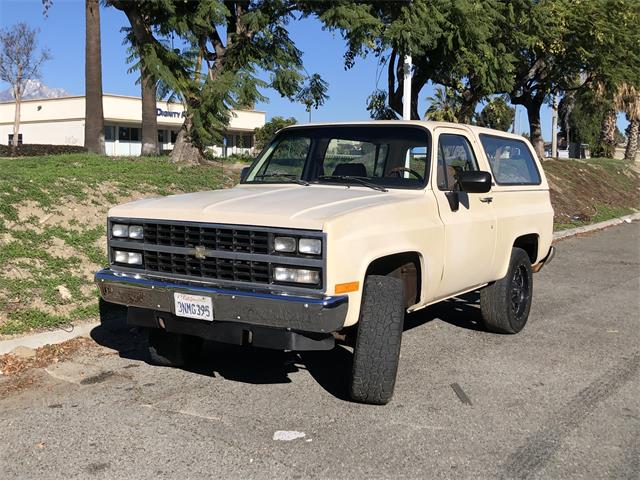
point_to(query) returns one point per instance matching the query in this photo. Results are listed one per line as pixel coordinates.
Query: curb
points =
(596, 226)
(58, 336)
(47, 338)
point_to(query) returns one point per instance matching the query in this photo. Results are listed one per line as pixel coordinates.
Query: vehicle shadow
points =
(462, 311)
(330, 369)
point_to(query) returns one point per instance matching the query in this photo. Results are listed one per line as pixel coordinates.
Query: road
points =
(559, 400)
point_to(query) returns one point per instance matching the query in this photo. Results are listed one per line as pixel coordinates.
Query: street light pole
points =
(406, 89)
(554, 127)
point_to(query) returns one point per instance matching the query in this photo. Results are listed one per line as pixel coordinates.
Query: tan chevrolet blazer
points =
(333, 234)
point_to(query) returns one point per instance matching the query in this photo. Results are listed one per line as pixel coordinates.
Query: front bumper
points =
(317, 314)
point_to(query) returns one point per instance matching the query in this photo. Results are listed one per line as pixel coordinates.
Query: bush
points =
(35, 150)
(239, 158)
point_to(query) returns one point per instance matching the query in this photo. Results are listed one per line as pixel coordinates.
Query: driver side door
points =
(470, 231)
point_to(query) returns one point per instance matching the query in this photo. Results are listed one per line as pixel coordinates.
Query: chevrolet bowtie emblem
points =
(200, 252)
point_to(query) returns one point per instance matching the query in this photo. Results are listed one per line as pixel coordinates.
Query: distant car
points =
(336, 231)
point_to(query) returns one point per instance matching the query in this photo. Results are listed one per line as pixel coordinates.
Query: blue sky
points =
(63, 33)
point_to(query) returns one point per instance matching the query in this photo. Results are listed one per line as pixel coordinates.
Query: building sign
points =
(166, 113)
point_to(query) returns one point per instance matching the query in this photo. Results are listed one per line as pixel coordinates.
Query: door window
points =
(455, 155)
(511, 161)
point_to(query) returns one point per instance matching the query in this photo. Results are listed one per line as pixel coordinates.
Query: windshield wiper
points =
(358, 180)
(289, 176)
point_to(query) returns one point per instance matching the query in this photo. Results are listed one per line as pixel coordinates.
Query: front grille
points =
(234, 254)
(212, 238)
(213, 268)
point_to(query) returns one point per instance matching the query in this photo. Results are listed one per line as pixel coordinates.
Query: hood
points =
(288, 206)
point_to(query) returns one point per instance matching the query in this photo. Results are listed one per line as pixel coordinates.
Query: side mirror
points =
(243, 173)
(474, 182)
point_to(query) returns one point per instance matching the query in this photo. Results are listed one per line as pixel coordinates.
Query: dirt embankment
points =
(592, 190)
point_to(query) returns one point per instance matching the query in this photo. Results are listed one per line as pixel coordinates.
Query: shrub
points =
(239, 158)
(35, 150)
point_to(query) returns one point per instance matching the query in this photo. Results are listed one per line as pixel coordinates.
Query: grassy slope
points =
(53, 209)
(52, 228)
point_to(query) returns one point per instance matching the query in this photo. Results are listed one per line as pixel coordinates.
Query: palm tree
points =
(94, 116)
(628, 100)
(444, 106)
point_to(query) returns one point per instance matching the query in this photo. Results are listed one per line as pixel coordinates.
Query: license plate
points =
(193, 306)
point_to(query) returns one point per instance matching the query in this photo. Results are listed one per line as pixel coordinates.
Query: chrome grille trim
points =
(237, 255)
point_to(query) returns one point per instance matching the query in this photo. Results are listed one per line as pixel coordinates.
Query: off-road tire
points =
(379, 334)
(172, 349)
(505, 304)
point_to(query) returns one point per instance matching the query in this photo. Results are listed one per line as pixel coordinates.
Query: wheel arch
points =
(407, 266)
(529, 243)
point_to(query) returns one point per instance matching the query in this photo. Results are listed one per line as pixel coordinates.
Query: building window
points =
(136, 134)
(163, 136)
(174, 136)
(109, 133)
(19, 138)
(128, 134)
(247, 141)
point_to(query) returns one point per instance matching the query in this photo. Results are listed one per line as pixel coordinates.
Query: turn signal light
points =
(347, 287)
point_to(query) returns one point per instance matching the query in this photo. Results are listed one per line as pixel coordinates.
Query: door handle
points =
(486, 199)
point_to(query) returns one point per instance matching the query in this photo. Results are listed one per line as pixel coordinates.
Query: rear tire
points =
(172, 349)
(379, 335)
(505, 304)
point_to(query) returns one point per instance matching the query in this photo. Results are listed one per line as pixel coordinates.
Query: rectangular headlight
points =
(296, 275)
(129, 258)
(119, 230)
(136, 232)
(284, 244)
(310, 246)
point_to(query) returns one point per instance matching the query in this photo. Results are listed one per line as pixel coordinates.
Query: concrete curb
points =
(58, 336)
(47, 338)
(596, 226)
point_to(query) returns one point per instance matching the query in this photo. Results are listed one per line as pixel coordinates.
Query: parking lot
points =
(559, 400)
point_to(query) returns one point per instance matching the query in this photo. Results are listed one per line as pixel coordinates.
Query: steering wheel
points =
(397, 171)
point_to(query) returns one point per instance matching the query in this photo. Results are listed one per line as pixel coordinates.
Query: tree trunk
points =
(184, 151)
(535, 130)
(467, 109)
(142, 33)
(94, 116)
(16, 122)
(607, 140)
(149, 117)
(632, 142)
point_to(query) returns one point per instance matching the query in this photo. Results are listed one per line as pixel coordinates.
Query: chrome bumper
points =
(308, 314)
(546, 260)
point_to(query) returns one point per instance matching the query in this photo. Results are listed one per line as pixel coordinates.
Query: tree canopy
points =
(235, 42)
(266, 133)
(496, 114)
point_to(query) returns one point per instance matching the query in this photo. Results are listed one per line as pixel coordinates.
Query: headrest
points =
(350, 169)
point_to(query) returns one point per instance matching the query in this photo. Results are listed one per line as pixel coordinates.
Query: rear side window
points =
(511, 161)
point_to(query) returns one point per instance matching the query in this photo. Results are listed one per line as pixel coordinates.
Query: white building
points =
(60, 121)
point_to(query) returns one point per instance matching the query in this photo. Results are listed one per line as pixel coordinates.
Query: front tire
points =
(505, 304)
(172, 349)
(377, 347)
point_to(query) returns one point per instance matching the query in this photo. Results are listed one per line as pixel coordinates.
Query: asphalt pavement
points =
(559, 400)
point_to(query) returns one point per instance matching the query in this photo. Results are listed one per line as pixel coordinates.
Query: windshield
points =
(374, 156)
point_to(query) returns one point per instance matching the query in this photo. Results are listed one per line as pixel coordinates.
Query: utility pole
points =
(554, 127)
(406, 103)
